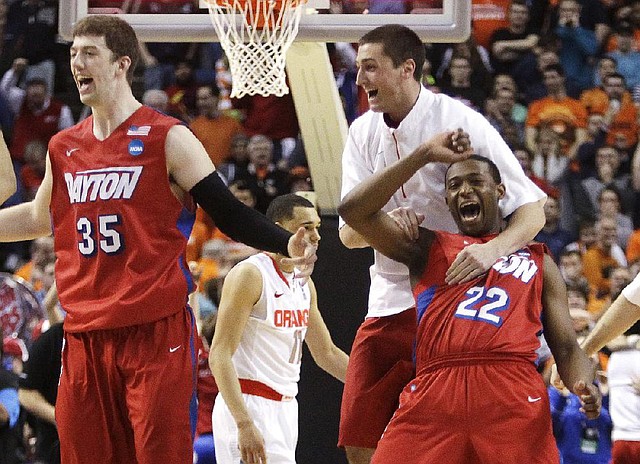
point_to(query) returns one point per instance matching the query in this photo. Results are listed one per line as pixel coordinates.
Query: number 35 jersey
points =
(496, 314)
(120, 232)
(270, 350)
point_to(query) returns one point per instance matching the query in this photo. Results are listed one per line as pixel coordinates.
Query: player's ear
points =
(124, 62)
(408, 67)
(501, 191)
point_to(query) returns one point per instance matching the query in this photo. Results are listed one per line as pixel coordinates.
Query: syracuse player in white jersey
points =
(265, 314)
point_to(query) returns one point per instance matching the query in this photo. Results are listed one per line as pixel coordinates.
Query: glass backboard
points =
(324, 21)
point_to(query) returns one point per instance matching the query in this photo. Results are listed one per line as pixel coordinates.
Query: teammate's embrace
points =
(476, 396)
(265, 314)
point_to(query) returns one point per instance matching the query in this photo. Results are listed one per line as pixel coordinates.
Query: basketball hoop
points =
(255, 35)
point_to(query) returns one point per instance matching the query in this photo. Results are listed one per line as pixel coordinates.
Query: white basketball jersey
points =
(270, 350)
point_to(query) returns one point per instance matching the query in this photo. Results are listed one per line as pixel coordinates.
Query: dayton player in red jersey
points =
(115, 195)
(476, 397)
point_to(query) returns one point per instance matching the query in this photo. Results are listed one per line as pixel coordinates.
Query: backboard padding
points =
(451, 24)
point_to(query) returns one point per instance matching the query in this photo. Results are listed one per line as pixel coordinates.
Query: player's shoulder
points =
(365, 124)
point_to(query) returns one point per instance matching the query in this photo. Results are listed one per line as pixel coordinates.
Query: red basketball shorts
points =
(380, 365)
(127, 395)
(473, 413)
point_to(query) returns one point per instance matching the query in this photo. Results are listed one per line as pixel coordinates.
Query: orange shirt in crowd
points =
(487, 16)
(624, 123)
(595, 262)
(216, 135)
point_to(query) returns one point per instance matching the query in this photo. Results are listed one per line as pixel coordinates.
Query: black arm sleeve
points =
(235, 219)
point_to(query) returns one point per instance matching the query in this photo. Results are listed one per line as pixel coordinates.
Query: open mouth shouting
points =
(469, 211)
(83, 83)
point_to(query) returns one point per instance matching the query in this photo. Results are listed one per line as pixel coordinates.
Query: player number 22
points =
(108, 238)
(482, 305)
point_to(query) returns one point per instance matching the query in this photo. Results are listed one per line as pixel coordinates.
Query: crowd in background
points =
(560, 81)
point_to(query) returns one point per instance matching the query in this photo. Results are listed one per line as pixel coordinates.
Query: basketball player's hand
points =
(408, 221)
(472, 261)
(447, 147)
(303, 254)
(590, 398)
(251, 444)
(555, 379)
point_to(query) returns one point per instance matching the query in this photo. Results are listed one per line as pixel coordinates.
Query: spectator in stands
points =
(606, 66)
(182, 92)
(551, 234)
(161, 58)
(525, 158)
(595, 99)
(619, 278)
(238, 159)
(274, 117)
(620, 113)
(42, 254)
(263, 178)
(30, 35)
(502, 113)
(32, 173)
(578, 47)
(549, 163)
(214, 129)
(508, 45)
(587, 236)
(609, 207)
(565, 115)
(39, 390)
(156, 99)
(38, 116)
(459, 85)
(581, 440)
(596, 134)
(478, 57)
(528, 72)
(571, 268)
(488, 16)
(627, 59)
(608, 172)
(603, 256)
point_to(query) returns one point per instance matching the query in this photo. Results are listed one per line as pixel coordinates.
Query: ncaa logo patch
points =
(136, 147)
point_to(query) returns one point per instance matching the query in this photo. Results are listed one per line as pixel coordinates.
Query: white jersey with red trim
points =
(372, 145)
(270, 350)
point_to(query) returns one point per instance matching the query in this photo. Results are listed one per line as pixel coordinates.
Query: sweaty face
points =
(307, 218)
(472, 197)
(380, 80)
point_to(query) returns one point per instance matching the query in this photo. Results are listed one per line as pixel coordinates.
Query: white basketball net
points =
(256, 54)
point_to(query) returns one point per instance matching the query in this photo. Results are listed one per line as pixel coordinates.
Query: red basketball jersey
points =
(120, 232)
(495, 314)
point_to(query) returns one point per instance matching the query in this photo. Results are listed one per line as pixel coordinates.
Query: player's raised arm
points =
(326, 354)
(575, 368)
(622, 314)
(362, 207)
(190, 166)
(241, 291)
(7, 176)
(29, 220)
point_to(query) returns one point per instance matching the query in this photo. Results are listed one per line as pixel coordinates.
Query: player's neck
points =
(409, 99)
(277, 259)
(108, 116)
